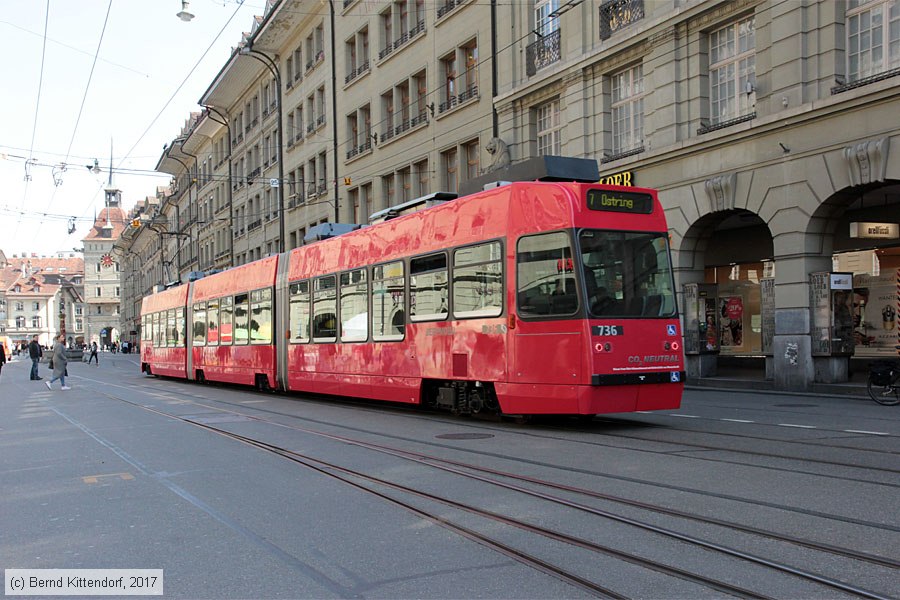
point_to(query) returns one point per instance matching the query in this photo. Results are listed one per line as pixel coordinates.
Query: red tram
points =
(530, 298)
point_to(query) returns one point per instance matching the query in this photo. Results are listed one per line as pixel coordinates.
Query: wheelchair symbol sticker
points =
(676, 376)
(670, 329)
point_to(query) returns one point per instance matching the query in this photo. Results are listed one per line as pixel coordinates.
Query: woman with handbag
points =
(59, 363)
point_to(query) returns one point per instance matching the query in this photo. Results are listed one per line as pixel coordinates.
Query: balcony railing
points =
(447, 7)
(471, 92)
(618, 14)
(447, 104)
(707, 127)
(419, 119)
(542, 53)
(362, 68)
(254, 225)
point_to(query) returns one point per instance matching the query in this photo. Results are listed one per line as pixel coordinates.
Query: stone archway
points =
(729, 252)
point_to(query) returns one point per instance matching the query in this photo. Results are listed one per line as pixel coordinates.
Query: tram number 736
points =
(607, 330)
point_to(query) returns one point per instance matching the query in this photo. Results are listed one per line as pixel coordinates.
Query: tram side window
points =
(261, 316)
(388, 315)
(212, 323)
(299, 310)
(157, 331)
(545, 276)
(428, 288)
(226, 323)
(324, 309)
(171, 329)
(181, 335)
(241, 319)
(354, 309)
(199, 326)
(478, 281)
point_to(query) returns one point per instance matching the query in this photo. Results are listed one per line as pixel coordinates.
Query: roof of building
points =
(112, 216)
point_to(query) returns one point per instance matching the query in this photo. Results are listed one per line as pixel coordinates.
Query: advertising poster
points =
(875, 314)
(711, 337)
(731, 311)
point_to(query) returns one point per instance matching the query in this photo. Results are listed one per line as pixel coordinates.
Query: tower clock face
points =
(106, 260)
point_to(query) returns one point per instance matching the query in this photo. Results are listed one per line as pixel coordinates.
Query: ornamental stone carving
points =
(867, 161)
(720, 191)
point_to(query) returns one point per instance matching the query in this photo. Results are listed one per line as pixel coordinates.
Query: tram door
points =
(548, 340)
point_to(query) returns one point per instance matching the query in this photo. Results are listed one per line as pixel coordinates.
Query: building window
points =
(35, 306)
(79, 324)
(20, 322)
(99, 292)
(548, 138)
(20, 305)
(450, 168)
(628, 110)
(546, 20)
(422, 176)
(472, 162)
(732, 71)
(871, 24)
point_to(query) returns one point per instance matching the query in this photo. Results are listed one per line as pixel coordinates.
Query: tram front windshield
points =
(627, 274)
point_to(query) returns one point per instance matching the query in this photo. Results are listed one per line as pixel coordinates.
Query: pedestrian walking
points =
(93, 355)
(59, 363)
(35, 352)
(2, 356)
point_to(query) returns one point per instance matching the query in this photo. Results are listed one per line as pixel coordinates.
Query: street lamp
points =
(247, 50)
(184, 15)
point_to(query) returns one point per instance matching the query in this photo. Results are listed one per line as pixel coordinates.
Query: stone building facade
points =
(766, 125)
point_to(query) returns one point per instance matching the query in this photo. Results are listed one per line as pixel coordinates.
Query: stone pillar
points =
(794, 368)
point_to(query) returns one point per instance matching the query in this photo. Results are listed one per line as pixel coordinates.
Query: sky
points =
(86, 80)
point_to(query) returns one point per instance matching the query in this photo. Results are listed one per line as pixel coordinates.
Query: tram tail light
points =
(603, 347)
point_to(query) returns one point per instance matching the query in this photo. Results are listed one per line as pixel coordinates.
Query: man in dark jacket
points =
(35, 352)
(2, 356)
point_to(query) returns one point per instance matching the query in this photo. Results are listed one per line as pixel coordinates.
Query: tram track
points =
(482, 426)
(482, 474)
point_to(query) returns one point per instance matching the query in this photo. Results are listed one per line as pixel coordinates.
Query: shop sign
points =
(625, 178)
(842, 281)
(875, 231)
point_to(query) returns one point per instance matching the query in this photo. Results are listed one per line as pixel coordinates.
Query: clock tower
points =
(101, 271)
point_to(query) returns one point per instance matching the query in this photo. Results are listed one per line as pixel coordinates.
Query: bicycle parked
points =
(884, 382)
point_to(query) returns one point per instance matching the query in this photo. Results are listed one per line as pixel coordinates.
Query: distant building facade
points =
(41, 296)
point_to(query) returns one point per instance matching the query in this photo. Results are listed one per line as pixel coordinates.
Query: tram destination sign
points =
(628, 202)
